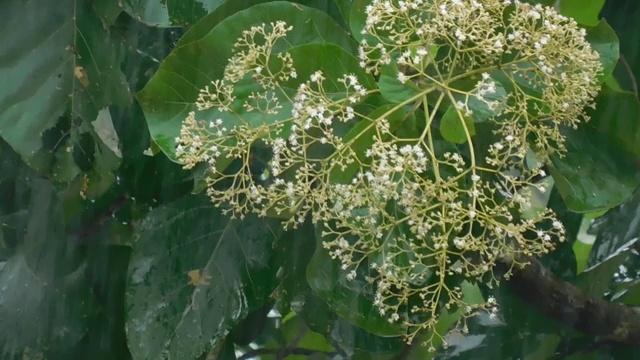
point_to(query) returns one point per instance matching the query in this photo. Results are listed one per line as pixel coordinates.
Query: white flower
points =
(402, 77)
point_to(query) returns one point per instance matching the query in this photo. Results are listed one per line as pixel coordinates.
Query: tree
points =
(319, 178)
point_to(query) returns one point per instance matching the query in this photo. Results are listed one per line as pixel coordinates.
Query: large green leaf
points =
(170, 94)
(333, 60)
(622, 16)
(58, 72)
(45, 303)
(599, 170)
(195, 273)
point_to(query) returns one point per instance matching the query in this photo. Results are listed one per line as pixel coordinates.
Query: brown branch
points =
(569, 305)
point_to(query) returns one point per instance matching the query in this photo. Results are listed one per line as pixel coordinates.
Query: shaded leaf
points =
(296, 331)
(44, 296)
(194, 274)
(358, 18)
(201, 29)
(58, 73)
(617, 115)
(164, 13)
(344, 8)
(293, 251)
(562, 260)
(108, 10)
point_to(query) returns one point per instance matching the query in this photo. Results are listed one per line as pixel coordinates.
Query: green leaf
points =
(596, 280)
(162, 13)
(108, 10)
(392, 89)
(44, 296)
(585, 12)
(170, 94)
(293, 251)
(351, 299)
(344, 8)
(452, 127)
(292, 329)
(321, 318)
(583, 244)
(615, 244)
(599, 169)
(562, 260)
(617, 116)
(57, 77)
(604, 40)
(189, 243)
(358, 18)
(333, 60)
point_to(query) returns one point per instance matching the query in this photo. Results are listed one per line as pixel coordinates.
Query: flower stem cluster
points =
(418, 215)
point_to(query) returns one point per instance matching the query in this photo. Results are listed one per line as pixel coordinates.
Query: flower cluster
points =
(540, 56)
(408, 210)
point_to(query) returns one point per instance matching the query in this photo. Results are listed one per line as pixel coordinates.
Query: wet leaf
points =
(194, 274)
(599, 169)
(44, 295)
(59, 71)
